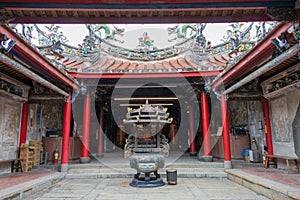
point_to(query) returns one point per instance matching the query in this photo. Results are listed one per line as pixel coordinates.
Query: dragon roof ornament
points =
(102, 40)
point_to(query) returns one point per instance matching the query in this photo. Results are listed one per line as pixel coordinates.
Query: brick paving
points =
(277, 175)
(11, 179)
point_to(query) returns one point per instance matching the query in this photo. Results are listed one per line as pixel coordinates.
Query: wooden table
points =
(13, 164)
(286, 158)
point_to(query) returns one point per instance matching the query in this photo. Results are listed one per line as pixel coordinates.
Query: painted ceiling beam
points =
(267, 67)
(140, 4)
(144, 19)
(144, 75)
(248, 60)
(28, 73)
(29, 53)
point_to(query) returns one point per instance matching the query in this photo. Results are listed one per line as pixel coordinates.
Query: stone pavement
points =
(272, 183)
(109, 178)
(119, 189)
(26, 185)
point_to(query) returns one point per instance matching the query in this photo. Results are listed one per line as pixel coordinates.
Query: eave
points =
(251, 59)
(38, 63)
(135, 12)
(144, 75)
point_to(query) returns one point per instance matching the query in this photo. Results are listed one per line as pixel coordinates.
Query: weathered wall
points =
(215, 114)
(296, 131)
(283, 111)
(256, 122)
(250, 115)
(44, 116)
(10, 112)
(238, 113)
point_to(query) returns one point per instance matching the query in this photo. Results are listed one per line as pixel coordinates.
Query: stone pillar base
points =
(206, 158)
(85, 159)
(99, 155)
(193, 153)
(227, 164)
(64, 167)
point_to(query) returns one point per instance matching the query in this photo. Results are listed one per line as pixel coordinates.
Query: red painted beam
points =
(142, 19)
(145, 75)
(138, 1)
(24, 120)
(101, 131)
(132, 10)
(145, 20)
(268, 130)
(33, 56)
(193, 151)
(205, 124)
(255, 54)
(86, 125)
(225, 129)
(66, 131)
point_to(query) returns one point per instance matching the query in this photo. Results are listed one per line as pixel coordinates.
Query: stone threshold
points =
(270, 189)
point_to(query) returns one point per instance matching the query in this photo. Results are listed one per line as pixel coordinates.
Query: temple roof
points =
(189, 51)
(137, 11)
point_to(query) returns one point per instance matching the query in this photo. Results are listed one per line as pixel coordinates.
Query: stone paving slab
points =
(29, 188)
(269, 188)
(128, 173)
(119, 189)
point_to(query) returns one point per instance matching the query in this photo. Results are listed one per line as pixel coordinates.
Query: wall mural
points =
(9, 128)
(238, 113)
(296, 131)
(279, 119)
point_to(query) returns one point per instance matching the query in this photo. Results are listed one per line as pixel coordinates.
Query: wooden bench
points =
(286, 158)
(15, 164)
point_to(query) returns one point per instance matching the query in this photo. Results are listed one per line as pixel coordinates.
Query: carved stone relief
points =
(296, 132)
(9, 128)
(279, 117)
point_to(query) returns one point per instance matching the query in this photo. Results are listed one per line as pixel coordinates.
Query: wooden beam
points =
(143, 3)
(26, 72)
(255, 54)
(144, 75)
(35, 57)
(267, 67)
(142, 19)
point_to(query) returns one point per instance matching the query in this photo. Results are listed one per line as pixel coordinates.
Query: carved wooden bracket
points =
(4, 17)
(284, 14)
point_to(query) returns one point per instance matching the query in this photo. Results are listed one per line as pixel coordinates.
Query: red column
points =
(86, 125)
(205, 125)
(100, 133)
(225, 129)
(268, 126)
(66, 131)
(24, 124)
(192, 134)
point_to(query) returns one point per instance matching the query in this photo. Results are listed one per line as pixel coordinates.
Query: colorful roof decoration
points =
(101, 51)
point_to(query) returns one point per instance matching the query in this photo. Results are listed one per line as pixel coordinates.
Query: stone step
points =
(33, 188)
(126, 165)
(128, 173)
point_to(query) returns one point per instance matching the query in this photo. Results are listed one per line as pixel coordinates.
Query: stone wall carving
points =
(279, 119)
(9, 128)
